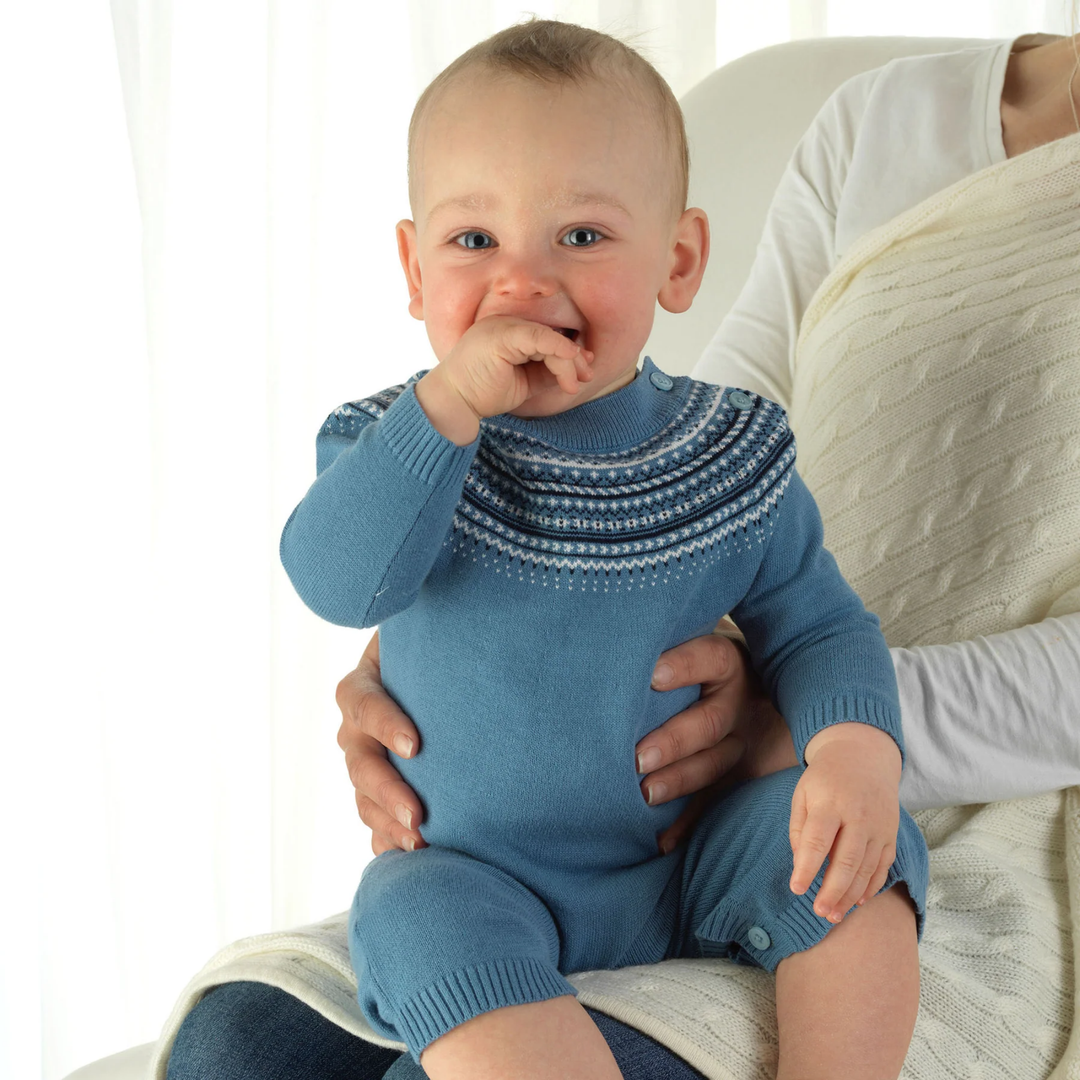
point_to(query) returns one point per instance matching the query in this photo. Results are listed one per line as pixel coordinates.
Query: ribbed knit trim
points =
(463, 994)
(624, 418)
(424, 451)
(841, 710)
(797, 928)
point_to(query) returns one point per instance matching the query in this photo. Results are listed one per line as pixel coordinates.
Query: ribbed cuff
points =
(428, 454)
(732, 931)
(464, 994)
(843, 710)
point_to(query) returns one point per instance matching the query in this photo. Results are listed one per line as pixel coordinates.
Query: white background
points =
(197, 263)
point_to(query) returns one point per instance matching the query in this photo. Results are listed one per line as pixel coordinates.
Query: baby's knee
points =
(445, 904)
(436, 937)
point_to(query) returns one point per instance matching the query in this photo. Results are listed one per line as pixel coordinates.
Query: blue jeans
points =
(251, 1031)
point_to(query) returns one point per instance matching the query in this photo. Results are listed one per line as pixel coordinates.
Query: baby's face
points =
(551, 203)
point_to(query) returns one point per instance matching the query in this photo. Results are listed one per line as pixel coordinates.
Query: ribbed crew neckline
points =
(620, 419)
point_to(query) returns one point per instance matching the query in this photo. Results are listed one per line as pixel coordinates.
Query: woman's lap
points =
(251, 1031)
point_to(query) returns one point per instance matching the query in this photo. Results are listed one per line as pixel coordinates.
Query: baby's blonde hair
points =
(558, 52)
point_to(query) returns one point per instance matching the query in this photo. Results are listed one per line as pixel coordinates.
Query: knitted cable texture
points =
(937, 403)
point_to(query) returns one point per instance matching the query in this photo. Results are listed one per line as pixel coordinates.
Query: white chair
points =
(743, 122)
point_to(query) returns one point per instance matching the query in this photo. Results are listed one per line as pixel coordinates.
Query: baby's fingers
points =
(535, 341)
(871, 860)
(571, 371)
(583, 365)
(811, 840)
(880, 875)
(845, 862)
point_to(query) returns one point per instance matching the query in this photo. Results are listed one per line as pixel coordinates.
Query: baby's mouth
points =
(567, 332)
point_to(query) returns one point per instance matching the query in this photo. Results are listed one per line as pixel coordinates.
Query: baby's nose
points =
(525, 278)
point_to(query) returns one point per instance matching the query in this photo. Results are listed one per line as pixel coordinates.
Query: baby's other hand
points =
(846, 806)
(501, 361)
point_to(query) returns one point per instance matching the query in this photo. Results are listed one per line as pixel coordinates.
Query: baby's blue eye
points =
(475, 241)
(581, 238)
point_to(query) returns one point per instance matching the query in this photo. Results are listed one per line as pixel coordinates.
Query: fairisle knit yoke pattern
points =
(526, 584)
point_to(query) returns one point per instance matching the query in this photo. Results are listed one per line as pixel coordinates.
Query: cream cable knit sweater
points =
(954, 428)
(845, 179)
(937, 405)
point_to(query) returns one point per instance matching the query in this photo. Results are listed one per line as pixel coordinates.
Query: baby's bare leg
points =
(846, 1008)
(545, 1040)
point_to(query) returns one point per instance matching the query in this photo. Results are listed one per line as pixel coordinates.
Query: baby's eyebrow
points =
(584, 198)
(473, 203)
(477, 203)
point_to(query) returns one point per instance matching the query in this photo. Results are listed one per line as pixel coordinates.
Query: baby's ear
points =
(689, 255)
(410, 263)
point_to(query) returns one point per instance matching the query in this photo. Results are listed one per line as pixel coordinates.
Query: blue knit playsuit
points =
(524, 587)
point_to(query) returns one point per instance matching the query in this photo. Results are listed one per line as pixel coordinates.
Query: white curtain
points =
(197, 263)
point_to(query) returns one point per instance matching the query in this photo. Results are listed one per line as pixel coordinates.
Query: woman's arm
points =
(754, 347)
(987, 719)
(995, 717)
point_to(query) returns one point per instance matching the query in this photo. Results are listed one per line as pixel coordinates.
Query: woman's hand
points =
(731, 733)
(371, 724)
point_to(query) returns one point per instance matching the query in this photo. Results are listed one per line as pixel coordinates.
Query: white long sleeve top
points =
(995, 717)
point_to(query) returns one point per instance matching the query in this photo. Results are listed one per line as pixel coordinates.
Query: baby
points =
(531, 523)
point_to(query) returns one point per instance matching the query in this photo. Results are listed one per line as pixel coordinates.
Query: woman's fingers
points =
(387, 805)
(371, 722)
(690, 774)
(680, 828)
(386, 831)
(367, 708)
(730, 733)
(707, 659)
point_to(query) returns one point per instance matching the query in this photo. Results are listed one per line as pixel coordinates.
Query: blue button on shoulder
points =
(661, 381)
(758, 938)
(740, 400)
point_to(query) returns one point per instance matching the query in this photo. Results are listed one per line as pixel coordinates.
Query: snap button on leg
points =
(758, 938)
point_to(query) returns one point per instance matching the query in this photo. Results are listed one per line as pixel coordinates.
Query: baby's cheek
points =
(446, 324)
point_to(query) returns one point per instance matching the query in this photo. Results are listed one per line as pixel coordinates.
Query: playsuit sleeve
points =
(820, 653)
(365, 536)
